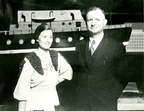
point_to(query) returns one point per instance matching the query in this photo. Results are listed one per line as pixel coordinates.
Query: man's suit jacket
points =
(99, 86)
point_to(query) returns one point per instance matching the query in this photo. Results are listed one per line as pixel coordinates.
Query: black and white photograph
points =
(71, 55)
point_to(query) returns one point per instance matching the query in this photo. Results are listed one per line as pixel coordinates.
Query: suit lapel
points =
(84, 49)
(98, 54)
(101, 50)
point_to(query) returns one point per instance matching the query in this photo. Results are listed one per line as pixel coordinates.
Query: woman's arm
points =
(22, 88)
(65, 70)
(22, 105)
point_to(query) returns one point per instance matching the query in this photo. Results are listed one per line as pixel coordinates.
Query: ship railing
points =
(69, 29)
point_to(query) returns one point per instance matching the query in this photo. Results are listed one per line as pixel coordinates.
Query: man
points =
(101, 62)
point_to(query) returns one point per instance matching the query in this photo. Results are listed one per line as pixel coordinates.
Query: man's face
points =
(95, 21)
(45, 39)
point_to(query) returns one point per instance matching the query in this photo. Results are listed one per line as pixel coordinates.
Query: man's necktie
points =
(92, 49)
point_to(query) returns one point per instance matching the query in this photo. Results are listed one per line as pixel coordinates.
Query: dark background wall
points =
(118, 11)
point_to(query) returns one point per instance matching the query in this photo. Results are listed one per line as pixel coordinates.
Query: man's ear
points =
(105, 22)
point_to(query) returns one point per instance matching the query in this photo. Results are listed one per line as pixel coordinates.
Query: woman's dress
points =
(39, 90)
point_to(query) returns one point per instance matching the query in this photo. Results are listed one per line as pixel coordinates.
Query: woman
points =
(40, 72)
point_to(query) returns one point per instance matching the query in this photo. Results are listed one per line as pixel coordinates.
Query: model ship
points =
(68, 27)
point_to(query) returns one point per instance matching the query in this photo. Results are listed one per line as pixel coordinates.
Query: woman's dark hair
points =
(40, 28)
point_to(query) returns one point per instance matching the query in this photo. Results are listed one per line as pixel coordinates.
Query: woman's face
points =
(45, 39)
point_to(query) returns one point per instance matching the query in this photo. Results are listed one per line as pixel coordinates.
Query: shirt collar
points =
(97, 39)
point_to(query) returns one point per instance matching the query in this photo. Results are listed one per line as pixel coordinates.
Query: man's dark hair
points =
(91, 9)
